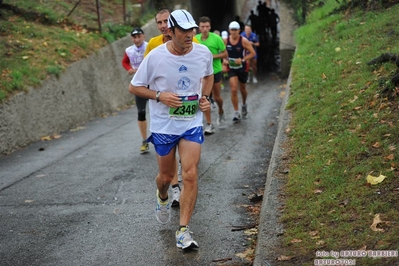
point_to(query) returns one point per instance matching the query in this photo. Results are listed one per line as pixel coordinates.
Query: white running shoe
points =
(221, 121)
(254, 80)
(237, 117)
(176, 197)
(184, 239)
(244, 110)
(209, 129)
(162, 210)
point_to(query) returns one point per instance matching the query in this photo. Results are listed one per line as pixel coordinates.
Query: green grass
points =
(338, 115)
(43, 42)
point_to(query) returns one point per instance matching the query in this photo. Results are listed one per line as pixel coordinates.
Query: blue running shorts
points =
(164, 143)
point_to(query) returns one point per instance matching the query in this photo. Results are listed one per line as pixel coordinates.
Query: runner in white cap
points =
(240, 50)
(179, 74)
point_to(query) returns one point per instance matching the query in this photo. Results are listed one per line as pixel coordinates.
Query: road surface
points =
(88, 197)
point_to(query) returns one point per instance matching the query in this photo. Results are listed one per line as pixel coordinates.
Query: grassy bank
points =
(343, 129)
(42, 38)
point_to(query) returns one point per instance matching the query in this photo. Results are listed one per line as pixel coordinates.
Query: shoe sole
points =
(142, 152)
(193, 244)
(208, 133)
(159, 220)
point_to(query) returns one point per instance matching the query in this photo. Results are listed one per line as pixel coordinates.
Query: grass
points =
(39, 39)
(343, 128)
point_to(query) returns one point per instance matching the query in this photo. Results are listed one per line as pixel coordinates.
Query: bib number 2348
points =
(187, 111)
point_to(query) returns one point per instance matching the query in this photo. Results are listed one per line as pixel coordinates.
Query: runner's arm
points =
(207, 84)
(126, 62)
(248, 46)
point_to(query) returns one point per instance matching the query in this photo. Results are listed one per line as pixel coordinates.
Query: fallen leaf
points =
(313, 233)
(247, 253)
(354, 99)
(317, 191)
(296, 240)
(389, 157)
(374, 180)
(283, 257)
(376, 221)
(46, 138)
(29, 201)
(57, 136)
(324, 76)
(241, 255)
(376, 145)
(252, 231)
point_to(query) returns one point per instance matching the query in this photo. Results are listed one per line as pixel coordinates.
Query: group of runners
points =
(177, 71)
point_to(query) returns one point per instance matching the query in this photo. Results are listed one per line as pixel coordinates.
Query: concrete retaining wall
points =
(287, 40)
(87, 89)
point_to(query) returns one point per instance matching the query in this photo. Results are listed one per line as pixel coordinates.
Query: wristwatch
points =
(157, 96)
(207, 98)
(243, 60)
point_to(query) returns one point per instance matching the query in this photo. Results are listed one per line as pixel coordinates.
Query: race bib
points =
(188, 111)
(232, 63)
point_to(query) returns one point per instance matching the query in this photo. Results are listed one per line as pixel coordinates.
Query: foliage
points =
(342, 131)
(302, 8)
(38, 38)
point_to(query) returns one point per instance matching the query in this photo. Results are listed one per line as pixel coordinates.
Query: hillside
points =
(340, 168)
(42, 38)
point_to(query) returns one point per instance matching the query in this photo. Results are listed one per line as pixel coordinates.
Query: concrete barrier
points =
(87, 89)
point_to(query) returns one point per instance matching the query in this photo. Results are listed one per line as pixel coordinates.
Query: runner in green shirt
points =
(218, 49)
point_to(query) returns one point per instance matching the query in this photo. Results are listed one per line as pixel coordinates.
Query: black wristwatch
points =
(157, 96)
(207, 98)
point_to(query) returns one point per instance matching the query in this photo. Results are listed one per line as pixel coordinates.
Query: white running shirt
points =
(163, 71)
(136, 54)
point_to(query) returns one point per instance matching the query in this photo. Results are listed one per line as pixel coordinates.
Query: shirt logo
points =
(183, 68)
(183, 84)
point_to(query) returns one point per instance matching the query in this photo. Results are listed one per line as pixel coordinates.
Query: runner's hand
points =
(204, 104)
(170, 99)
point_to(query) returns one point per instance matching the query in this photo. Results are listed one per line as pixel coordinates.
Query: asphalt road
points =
(88, 197)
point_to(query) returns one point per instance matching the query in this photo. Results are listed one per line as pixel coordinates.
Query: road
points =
(88, 197)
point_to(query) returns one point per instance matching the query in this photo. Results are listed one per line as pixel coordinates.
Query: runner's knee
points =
(141, 115)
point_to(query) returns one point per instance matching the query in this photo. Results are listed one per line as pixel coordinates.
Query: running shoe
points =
(254, 80)
(184, 239)
(144, 147)
(244, 110)
(221, 121)
(176, 197)
(162, 210)
(237, 117)
(209, 129)
(212, 103)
